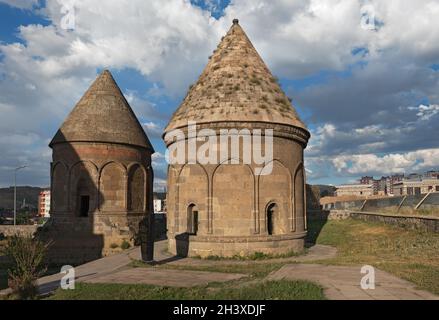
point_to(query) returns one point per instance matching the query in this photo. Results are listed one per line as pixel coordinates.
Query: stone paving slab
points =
(166, 277)
(343, 283)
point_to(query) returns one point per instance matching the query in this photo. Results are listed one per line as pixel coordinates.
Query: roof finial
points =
(235, 21)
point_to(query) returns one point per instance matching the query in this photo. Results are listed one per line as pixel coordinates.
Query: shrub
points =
(125, 245)
(26, 264)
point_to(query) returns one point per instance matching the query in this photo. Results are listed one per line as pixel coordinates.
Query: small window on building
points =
(437, 188)
(271, 217)
(192, 220)
(85, 206)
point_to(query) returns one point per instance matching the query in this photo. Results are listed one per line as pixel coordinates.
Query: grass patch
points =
(278, 290)
(254, 256)
(408, 254)
(254, 270)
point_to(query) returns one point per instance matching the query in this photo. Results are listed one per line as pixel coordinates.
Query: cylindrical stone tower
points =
(229, 207)
(101, 176)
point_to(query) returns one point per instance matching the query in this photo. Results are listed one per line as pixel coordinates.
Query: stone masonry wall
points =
(8, 230)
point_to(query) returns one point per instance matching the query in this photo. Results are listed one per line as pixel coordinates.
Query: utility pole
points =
(15, 192)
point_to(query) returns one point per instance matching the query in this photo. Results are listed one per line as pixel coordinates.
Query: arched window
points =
(272, 216)
(192, 219)
(83, 199)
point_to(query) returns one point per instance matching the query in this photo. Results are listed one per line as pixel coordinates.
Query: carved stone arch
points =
(54, 165)
(83, 186)
(112, 187)
(132, 164)
(121, 165)
(276, 187)
(95, 167)
(228, 160)
(299, 190)
(278, 161)
(60, 187)
(137, 196)
(233, 199)
(192, 185)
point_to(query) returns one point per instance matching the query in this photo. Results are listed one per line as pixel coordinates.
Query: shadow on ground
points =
(316, 222)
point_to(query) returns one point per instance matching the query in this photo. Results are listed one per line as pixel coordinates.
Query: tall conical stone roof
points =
(236, 85)
(103, 115)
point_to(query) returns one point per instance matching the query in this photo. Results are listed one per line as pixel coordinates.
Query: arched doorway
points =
(272, 218)
(192, 219)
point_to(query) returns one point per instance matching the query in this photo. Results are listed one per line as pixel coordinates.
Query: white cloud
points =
(426, 112)
(21, 4)
(414, 161)
(169, 41)
(303, 37)
(153, 130)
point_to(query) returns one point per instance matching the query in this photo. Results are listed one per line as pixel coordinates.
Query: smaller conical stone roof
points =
(103, 115)
(236, 85)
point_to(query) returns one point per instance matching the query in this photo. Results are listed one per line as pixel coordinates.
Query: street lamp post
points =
(15, 192)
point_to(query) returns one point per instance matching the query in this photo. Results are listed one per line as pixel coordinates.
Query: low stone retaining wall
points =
(429, 224)
(8, 230)
(421, 223)
(395, 204)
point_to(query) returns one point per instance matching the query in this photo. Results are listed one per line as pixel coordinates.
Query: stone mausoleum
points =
(101, 177)
(228, 209)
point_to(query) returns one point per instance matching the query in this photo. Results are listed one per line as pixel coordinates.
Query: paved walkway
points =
(339, 282)
(166, 277)
(343, 283)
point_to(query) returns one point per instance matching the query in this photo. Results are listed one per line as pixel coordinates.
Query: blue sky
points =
(368, 95)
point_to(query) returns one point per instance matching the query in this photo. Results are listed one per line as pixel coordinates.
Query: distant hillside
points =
(28, 193)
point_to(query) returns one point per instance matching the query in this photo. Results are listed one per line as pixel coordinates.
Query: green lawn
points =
(253, 270)
(408, 254)
(278, 290)
(405, 253)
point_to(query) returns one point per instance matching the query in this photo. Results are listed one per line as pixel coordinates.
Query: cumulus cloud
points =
(426, 112)
(153, 129)
(415, 161)
(378, 95)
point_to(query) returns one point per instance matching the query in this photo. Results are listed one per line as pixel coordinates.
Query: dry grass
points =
(408, 254)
